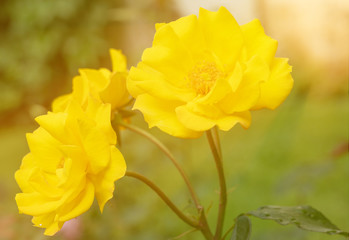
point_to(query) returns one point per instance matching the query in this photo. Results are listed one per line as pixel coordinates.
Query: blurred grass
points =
(283, 159)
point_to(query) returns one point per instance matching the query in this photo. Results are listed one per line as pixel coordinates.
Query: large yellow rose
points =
(103, 84)
(72, 159)
(208, 71)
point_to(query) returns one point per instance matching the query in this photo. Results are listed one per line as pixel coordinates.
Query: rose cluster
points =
(73, 157)
(200, 72)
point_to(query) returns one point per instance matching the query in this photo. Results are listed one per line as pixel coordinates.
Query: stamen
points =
(203, 77)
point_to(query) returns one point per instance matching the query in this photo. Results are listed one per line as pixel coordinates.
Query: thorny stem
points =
(214, 145)
(202, 225)
(162, 195)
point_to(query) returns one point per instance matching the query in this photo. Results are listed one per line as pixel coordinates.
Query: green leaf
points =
(304, 217)
(242, 228)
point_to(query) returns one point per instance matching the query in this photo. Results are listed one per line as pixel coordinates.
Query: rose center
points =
(203, 76)
(61, 163)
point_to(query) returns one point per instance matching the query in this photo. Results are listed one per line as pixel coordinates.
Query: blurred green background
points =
(294, 155)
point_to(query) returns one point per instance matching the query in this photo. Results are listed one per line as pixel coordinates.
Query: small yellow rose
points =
(102, 84)
(72, 159)
(208, 71)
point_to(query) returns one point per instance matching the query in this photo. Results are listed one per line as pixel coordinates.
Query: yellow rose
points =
(72, 159)
(208, 71)
(102, 84)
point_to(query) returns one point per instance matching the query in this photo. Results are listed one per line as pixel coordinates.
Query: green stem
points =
(228, 231)
(165, 150)
(222, 185)
(203, 225)
(217, 141)
(162, 195)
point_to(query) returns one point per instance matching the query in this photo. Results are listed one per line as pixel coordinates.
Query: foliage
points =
(42, 42)
(304, 217)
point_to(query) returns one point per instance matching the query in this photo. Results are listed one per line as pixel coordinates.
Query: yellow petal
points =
(47, 221)
(36, 204)
(104, 181)
(168, 56)
(143, 79)
(60, 103)
(63, 173)
(116, 93)
(220, 89)
(97, 81)
(45, 149)
(257, 43)
(44, 185)
(23, 174)
(73, 182)
(53, 228)
(226, 123)
(74, 170)
(55, 125)
(159, 25)
(209, 114)
(194, 121)
(97, 150)
(100, 113)
(81, 90)
(235, 77)
(223, 35)
(210, 111)
(277, 87)
(79, 205)
(78, 122)
(74, 111)
(248, 91)
(44, 220)
(118, 60)
(106, 72)
(188, 31)
(162, 115)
